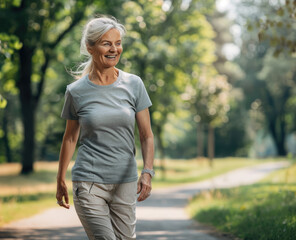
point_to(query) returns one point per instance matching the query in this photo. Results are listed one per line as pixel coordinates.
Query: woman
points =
(102, 106)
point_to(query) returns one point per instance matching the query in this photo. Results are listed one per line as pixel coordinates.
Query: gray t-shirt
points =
(106, 116)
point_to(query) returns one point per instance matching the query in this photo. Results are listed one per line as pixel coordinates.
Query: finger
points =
(144, 193)
(66, 197)
(143, 197)
(60, 201)
(139, 187)
(65, 205)
(59, 198)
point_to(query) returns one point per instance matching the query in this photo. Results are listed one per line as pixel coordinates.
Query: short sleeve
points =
(69, 111)
(143, 101)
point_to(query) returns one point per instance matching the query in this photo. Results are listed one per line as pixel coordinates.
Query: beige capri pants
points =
(106, 211)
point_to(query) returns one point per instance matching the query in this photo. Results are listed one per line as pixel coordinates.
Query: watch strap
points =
(150, 171)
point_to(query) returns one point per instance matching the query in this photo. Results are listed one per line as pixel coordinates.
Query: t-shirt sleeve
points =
(69, 111)
(143, 101)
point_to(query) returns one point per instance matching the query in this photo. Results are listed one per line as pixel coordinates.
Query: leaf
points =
(277, 52)
(249, 27)
(261, 36)
(16, 3)
(280, 12)
(17, 45)
(3, 102)
(279, 24)
(274, 41)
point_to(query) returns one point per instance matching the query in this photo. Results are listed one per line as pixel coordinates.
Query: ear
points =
(89, 49)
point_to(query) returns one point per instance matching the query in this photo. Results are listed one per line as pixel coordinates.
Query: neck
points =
(103, 76)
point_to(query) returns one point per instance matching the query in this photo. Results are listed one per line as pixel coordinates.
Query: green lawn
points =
(263, 211)
(23, 196)
(187, 171)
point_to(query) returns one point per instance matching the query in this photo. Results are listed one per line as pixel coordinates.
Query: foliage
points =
(162, 61)
(3, 102)
(261, 211)
(278, 28)
(269, 83)
(32, 31)
(231, 137)
(210, 98)
(165, 59)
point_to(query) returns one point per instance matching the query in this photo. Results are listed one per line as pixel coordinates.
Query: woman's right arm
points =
(67, 150)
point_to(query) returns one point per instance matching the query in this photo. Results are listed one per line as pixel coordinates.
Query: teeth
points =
(110, 56)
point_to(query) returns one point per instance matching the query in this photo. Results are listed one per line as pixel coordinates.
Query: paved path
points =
(161, 217)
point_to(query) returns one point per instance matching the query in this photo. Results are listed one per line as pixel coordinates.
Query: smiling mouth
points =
(110, 56)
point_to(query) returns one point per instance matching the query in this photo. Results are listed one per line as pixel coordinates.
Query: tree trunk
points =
(211, 144)
(200, 140)
(278, 136)
(5, 137)
(281, 146)
(28, 107)
(276, 118)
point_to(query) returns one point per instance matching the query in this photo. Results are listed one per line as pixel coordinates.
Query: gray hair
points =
(93, 31)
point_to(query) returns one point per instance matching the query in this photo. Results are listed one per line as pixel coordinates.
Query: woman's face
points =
(106, 51)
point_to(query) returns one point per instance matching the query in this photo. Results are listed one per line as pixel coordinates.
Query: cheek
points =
(101, 51)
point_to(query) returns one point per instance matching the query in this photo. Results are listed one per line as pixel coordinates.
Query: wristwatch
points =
(150, 171)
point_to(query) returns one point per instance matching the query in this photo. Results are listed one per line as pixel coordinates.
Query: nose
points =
(112, 48)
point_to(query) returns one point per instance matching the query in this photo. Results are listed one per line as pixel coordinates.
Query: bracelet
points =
(150, 171)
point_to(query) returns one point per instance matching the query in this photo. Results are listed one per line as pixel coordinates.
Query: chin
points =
(111, 64)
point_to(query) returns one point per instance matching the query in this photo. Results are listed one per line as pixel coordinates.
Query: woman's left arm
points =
(147, 147)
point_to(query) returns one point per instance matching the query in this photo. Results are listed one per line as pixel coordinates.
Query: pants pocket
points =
(79, 187)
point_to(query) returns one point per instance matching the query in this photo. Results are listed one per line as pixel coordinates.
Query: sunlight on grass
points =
(42, 180)
(187, 171)
(265, 210)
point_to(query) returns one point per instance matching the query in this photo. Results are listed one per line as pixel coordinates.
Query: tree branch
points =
(76, 19)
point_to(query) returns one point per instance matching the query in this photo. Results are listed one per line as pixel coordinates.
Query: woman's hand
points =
(144, 186)
(67, 149)
(62, 193)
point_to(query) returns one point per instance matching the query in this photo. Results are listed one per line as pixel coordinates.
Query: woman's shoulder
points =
(77, 85)
(130, 77)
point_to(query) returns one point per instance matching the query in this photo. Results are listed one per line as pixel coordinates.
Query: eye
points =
(106, 44)
(118, 44)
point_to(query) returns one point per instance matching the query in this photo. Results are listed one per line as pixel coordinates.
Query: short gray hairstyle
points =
(93, 31)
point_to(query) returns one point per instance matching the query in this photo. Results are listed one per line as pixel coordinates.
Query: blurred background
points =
(216, 89)
(221, 76)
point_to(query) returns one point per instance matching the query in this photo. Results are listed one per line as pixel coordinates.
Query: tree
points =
(278, 86)
(269, 78)
(225, 66)
(39, 26)
(9, 44)
(165, 40)
(209, 97)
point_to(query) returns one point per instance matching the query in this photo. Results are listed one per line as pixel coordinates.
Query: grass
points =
(187, 171)
(25, 195)
(263, 211)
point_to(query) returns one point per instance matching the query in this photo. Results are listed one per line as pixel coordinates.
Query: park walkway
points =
(161, 217)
